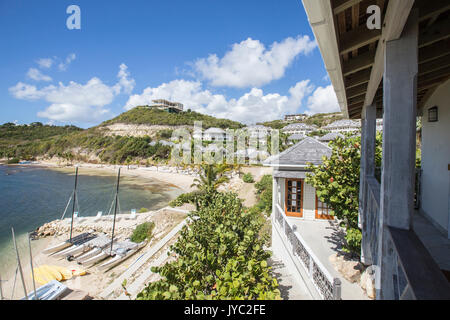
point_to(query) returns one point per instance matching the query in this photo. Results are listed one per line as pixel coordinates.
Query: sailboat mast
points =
(74, 201)
(115, 210)
(19, 266)
(32, 270)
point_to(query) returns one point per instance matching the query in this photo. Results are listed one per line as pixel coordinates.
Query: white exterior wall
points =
(436, 158)
(309, 202)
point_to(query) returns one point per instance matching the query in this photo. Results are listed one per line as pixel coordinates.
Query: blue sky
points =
(245, 60)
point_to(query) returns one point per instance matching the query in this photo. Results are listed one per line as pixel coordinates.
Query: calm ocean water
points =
(32, 196)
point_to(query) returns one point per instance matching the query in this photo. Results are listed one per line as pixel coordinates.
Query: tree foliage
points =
(337, 183)
(219, 256)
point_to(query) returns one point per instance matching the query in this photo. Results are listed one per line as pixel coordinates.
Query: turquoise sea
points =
(31, 196)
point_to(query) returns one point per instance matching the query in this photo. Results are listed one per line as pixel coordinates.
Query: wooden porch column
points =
(399, 146)
(368, 136)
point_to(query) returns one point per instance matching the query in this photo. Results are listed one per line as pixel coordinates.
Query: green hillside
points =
(319, 119)
(143, 115)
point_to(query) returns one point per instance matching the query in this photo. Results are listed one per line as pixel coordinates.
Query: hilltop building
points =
(344, 125)
(162, 104)
(299, 128)
(295, 117)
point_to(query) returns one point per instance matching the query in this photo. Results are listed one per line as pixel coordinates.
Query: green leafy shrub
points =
(220, 255)
(248, 178)
(13, 161)
(190, 197)
(143, 232)
(264, 194)
(142, 210)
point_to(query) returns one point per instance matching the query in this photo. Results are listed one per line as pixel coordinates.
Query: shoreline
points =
(174, 179)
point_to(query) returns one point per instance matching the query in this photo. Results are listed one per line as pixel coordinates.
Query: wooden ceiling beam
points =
(358, 63)
(342, 5)
(431, 8)
(357, 38)
(356, 91)
(434, 65)
(434, 51)
(357, 79)
(434, 33)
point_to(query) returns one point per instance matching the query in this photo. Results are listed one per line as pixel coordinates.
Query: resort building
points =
(173, 107)
(299, 128)
(396, 73)
(295, 117)
(214, 134)
(343, 126)
(259, 132)
(302, 224)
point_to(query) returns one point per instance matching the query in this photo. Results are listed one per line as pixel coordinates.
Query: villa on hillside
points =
(295, 117)
(298, 128)
(340, 126)
(396, 73)
(162, 104)
(259, 132)
(301, 223)
(214, 134)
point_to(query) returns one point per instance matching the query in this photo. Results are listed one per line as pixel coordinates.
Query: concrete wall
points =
(436, 158)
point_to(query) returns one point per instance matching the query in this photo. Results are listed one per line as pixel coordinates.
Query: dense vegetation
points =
(111, 149)
(150, 116)
(220, 255)
(143, 232)
(264, 194)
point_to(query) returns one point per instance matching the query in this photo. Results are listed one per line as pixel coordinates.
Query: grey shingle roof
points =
(306, 151)
(331, 136)
(345, 123)
(299, 126)
(296, 136)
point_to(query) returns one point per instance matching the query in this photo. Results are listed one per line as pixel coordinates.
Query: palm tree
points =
(211, 177)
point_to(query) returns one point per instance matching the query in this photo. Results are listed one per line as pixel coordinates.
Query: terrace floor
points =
(324, 239)
(437, 244)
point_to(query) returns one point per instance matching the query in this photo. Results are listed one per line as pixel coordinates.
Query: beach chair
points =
(132, 215)
(98, 217)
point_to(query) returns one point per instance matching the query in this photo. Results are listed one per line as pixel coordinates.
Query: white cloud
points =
(63, 65)
(249, 63)
(254, 106)
(45, 63)
(73, 102)
(125, 83)
(323, 100)
(35, 74)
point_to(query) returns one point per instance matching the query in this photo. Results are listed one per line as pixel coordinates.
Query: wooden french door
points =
(322, 210)
(293, 205)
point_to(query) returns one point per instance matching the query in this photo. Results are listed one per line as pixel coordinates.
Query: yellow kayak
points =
(46, 273)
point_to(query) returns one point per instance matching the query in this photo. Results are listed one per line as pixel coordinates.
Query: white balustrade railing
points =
(328, 286)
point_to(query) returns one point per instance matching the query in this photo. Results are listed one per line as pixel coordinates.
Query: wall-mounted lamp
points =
(433, 114)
